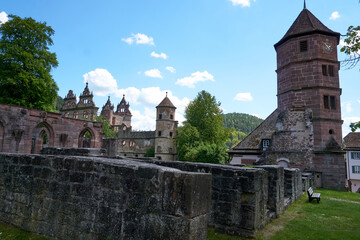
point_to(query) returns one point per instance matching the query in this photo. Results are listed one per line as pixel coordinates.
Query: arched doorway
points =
(86, 139)
(43, 136)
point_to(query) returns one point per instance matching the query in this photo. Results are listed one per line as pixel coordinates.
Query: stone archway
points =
(42, 136)
(284, 162)
(86, 138)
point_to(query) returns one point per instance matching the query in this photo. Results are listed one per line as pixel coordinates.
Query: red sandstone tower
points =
(308, 78)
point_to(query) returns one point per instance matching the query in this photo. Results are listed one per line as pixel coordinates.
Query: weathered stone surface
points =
(239, 196)
(275, 189)
(66, 197)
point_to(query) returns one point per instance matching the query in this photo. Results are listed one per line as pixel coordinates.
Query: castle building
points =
(122, 115)
(85, 109)
(129, 143)
(165, 130)
(305, 130)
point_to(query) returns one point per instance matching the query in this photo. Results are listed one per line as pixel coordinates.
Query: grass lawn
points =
(337, 216)
(330, 219)
(8, 232)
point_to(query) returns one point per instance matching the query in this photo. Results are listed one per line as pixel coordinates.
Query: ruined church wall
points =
(22, 129)
(95, 198)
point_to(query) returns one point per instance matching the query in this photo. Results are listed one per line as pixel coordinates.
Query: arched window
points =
(284, 162)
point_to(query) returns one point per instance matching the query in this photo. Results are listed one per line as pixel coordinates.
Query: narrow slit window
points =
(331, 70)
(324, 70)
(160, 116)
(159, 133)
(326, 102)
(332, 102)
(303, 46)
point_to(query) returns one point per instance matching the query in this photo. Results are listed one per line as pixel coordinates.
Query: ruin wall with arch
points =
(24, 130)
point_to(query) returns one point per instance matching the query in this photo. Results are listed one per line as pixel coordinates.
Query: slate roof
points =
(251, 144)
(306, 23)
(352, 140)
(166, 103)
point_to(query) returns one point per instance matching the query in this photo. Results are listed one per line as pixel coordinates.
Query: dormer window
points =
(265, 143)
(303, 46)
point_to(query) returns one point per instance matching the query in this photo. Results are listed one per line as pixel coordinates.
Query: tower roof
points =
(306, 23)
(166, 103)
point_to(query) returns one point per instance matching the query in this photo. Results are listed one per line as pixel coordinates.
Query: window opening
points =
(332, 102)
(324, 70)
(303, 46)
(326, 102)
(331, 70)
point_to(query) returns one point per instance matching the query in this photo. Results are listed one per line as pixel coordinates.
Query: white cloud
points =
(156, 55)
(154, 73)
(335, 15)
(3, 17)
(139, 38)
(243, 3)
(144, 121)
(171, 69)
(150, 98)
(100, 81)
(195, 78)
(244, 97)
(358, 101)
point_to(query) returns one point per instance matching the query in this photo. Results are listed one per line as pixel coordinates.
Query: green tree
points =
(150, 152)
(352, 47)
(26, 63)
(205, 114)
(203, 136)
(106, 127)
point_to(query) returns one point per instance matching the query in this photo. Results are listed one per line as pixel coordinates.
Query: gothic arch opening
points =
(42, 136)
(86, 139)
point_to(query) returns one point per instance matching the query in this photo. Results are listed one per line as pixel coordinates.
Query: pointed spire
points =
(304, 4)
(166, 94)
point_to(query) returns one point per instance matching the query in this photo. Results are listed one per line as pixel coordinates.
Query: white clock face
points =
(327, 46)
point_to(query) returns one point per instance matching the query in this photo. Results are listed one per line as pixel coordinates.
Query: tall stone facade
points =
(166, 126)
(305, 130)
(85, 109)
(122, 115)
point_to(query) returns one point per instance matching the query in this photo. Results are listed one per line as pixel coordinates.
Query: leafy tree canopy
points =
(352, 46)
(204, 113)
(26, 63)
(106, 127)
(150, 152)
(203, 136)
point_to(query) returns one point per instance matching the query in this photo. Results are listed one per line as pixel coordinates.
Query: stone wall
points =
(275, 202)
(292, 184)
(239, 196)
(95, 198)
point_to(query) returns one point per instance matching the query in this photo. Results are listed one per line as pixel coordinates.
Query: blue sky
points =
(145, 48)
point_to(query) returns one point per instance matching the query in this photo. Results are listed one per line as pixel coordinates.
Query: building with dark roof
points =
(305, 130)
(352, 149)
